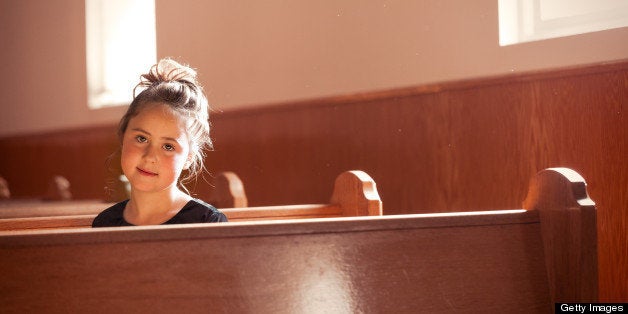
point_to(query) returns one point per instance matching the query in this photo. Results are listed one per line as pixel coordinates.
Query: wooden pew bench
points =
(58, 190)
(40, 208)
(515, 261)
(228, 192)
(354, 194)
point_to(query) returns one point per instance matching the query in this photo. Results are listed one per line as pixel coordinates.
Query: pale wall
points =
(258, 52)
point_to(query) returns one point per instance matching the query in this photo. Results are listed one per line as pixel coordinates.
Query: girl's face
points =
(155, 149)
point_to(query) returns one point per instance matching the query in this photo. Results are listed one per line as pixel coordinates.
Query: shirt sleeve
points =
(217, 216)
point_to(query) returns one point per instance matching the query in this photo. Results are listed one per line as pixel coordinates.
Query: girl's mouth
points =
(146, 173)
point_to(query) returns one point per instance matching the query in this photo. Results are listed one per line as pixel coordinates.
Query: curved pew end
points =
(356, 193)
(5, 193)
(58, 189)
(569, 230)
(228, 191)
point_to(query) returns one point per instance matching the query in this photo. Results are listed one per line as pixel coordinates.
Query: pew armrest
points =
(569, 230)
(228, 191)
(356, 194)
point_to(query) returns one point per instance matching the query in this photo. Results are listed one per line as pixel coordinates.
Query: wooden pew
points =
(58, 189)
(354, 194)
(518, 261)
(228, 192)
(40, 208)
(5, 192)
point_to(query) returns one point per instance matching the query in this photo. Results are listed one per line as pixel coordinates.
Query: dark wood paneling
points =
(456, 146)
(469, 145)
(28, 162)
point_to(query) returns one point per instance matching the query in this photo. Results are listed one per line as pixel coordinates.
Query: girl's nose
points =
(150, 153)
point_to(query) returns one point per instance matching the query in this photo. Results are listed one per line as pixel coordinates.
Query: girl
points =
(164, 132)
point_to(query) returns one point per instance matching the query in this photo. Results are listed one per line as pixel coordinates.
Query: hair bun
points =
(168, 71)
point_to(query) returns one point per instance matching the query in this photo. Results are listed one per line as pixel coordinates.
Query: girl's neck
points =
(154, 208)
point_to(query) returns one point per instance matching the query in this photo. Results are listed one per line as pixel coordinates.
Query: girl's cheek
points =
(131, 153)
(128, 150)
(177, 162)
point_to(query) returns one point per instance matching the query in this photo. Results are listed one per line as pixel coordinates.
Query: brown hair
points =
(176, 86)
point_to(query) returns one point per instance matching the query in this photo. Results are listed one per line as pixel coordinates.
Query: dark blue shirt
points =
(195, 211)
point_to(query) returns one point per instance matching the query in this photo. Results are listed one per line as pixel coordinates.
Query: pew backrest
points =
(40, 208)
(485, 262)
(228, 192)
(354, 194)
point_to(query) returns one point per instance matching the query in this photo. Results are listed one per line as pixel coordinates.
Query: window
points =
(529, 20)
(121, 44)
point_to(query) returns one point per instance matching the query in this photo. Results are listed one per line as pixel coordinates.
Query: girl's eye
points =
(168, 147)
(140, 139)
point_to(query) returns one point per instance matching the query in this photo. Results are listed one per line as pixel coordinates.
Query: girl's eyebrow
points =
(140, 130)
(148, 133)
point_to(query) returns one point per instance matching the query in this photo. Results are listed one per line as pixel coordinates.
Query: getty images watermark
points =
(590, 308)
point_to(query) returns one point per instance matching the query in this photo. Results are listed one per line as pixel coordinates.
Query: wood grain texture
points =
(38, 208)
(464, 145)
(228, 192)
(82, 156)
(283, 273)
(354, 194)
(437, 263)
(455, 146)
(569, 227)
